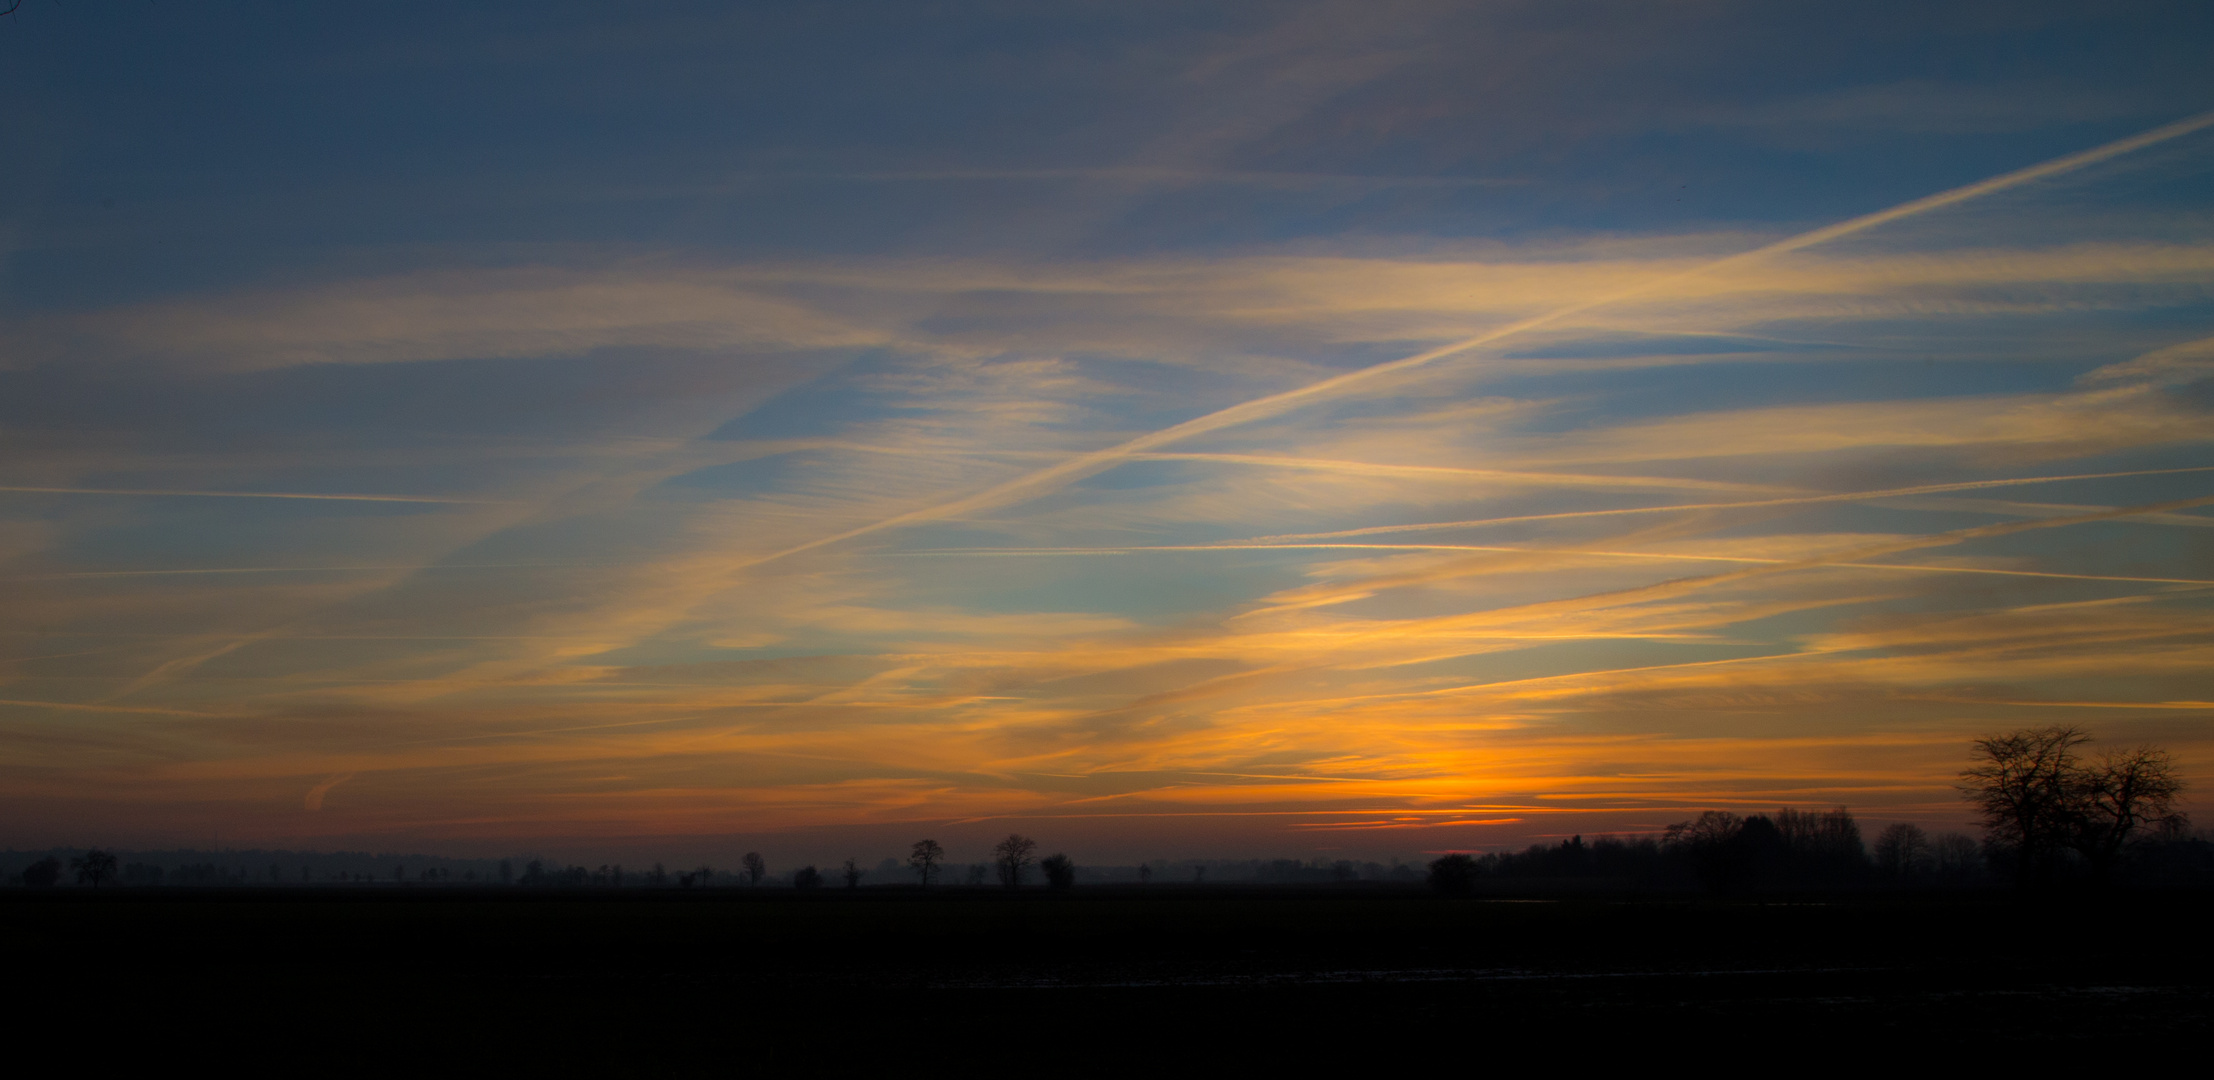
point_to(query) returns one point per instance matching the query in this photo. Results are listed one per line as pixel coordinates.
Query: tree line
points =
(2050, 815)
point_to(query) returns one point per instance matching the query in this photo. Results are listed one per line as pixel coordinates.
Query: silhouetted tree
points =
(853, 873)
(1453, 875)
(924, 857)
(2125, 792)
(977, 872)
(1729, 853)
(2039, 800)
(807, 877)
(756, 867)
(1903, 852)
(43, 873)
(1060, 871)
(1145, 874)
(2026, 790)
(1956, 857)
(1711, 827)
(1822, 848)
(96, 868)
(1011, 857)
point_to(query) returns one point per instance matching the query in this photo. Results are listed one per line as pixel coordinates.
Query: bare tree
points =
(97, 868)
(2026, 789)
(1957, 856)
(756, 867)
(853, 873)
(2127, 791)
(1011, 857)
(2039, 799)
(925, 857)
(1903, 851)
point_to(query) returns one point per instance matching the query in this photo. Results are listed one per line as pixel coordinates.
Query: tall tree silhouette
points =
(925, 857)
(1903, 851)
(1011, 857)
(756, 867)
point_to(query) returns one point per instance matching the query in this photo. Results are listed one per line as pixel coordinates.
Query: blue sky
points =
(798, 426)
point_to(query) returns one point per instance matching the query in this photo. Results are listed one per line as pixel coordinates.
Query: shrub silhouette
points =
(1453, 875)
(43, 873)
(1060, 871)
(96, 868)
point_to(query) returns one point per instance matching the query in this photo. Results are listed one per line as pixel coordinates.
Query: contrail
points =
(1502, 549)
(1667, 589)
(1846, 496)
(423, 568)
(246, 495)
(1369, 468)
(82, 707)
(1082, 465)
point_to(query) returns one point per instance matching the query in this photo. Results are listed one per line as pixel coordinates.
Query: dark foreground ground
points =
(1101, 981)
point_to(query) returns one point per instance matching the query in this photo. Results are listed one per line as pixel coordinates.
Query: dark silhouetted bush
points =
(1454, 875)
(1060, 871)
(43, 873)
(96, 868)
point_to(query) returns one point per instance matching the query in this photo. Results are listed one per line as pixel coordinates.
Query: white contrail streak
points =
(1500, 549)
(1367, 468)
(246, 495)
(223, 570)
(1803, 500)
(1082, 465)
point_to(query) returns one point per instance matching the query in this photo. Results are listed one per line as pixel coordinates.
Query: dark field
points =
(640, 982)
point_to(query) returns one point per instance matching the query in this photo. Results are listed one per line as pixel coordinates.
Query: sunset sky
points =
(1327, 430)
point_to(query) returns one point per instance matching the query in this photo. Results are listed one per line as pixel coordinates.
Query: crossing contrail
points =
(244, 495)
(1797, 500)
(1075, 468)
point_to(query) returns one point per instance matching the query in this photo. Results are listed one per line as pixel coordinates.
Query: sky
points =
(1313, 430)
